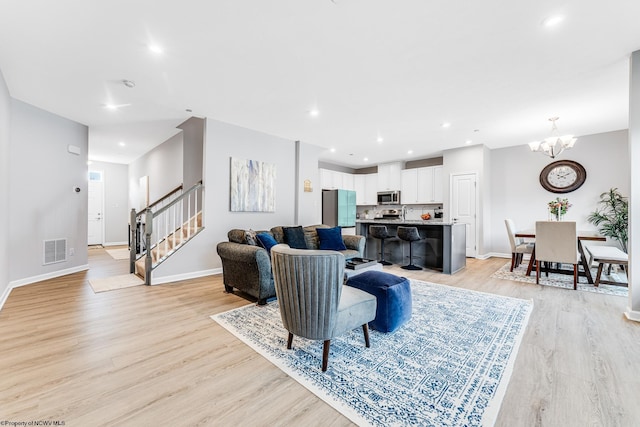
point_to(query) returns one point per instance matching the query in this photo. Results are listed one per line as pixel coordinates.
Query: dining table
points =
(582, 236)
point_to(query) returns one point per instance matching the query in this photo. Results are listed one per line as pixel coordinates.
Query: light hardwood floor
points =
(152, 356)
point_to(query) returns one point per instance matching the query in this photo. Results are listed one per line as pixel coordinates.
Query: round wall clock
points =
(563, 176)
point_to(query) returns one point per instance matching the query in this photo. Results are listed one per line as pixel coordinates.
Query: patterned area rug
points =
(519, 274)
(448, 366)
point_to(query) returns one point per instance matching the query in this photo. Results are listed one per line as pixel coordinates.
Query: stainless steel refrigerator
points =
(339, 208)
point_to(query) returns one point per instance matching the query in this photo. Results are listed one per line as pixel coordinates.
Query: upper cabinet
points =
(389, 176)
(422, 185)
(334, 180)
(366, 186)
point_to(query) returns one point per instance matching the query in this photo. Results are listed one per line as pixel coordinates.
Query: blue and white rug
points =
(448, 366)
(519, 274)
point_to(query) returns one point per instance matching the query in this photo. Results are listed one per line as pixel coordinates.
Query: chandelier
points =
(554, 144)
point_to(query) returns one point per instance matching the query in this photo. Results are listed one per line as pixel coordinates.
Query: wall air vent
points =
(54, 251)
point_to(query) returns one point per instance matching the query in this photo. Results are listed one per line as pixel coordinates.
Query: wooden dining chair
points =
(518, 245)
(557, 241)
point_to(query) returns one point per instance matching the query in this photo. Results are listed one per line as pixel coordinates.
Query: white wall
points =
(309, 203)
(633, 310)
(116, 201)
(516, 192)
(223, 141)
(42, 203)
(469, 160)
(163, 166)
(5, 121)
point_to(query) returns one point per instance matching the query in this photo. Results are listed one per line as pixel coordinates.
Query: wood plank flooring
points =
(152, 356)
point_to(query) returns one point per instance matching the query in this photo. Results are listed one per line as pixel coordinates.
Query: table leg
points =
(584, 263)
(531, 261)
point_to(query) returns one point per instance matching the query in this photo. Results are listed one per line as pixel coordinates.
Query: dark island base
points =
(442, 248)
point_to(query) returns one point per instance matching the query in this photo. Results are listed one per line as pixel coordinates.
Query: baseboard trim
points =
(5, 296)
(34, 279)
(115, 243)
(497, 255)
(185, 276)
(47, 276)
(632, 315)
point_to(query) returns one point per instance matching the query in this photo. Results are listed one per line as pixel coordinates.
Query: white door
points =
(95, 209)
(463, 206)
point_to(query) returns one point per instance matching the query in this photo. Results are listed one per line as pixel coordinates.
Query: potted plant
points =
(612, 217)
(558, 208)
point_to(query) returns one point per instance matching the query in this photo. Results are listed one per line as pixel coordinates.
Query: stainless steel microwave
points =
(388, 197)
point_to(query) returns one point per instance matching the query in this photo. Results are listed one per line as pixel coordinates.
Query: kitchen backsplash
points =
(413, 211)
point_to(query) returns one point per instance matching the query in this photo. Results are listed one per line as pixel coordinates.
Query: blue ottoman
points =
(394, 298)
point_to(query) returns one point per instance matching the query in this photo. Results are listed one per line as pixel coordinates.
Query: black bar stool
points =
(380, 232)
(409, 234)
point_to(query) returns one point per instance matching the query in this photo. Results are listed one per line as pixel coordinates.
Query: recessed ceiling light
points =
(552, 21)
(121, 144)
(156, 49)
(333, 150)
(114, 107)
(129, 83)
(380, 139)
(468, 142)
(314, 112)
(410, 152)
(89, 162)
(366, 159)
(445, 124)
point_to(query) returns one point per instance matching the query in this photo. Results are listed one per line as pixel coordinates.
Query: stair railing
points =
(166, 228)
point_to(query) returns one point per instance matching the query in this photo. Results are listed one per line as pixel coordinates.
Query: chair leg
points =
(513, 260)
(365, 330)
(575, 277)
(325, 355)
(289, 341)
(411, 266)
(538, 272)
(382, 260)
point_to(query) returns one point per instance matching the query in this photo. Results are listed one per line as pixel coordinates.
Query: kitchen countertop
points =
(404, 222)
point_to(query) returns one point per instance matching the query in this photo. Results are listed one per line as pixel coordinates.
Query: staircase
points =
(161, 230)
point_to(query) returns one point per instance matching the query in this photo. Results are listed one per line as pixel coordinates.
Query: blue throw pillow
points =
(267, 241)
(294, 237)
(331, 239)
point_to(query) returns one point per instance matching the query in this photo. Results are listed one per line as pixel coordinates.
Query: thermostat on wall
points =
(73, 149)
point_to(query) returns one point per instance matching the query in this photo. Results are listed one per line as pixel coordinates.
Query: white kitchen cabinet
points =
(422, 185)
(326, 179)
(366, 187)
(409, 189)
(438, 184)
(389, 176)
(348, 181)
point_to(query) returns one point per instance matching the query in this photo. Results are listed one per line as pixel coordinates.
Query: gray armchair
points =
(313, 302)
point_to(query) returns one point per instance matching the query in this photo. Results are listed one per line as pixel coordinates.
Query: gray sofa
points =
(247, 267)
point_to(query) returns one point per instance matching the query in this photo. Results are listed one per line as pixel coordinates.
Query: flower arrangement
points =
(559, 207)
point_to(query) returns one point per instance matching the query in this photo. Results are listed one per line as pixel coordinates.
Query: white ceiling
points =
(397, 69)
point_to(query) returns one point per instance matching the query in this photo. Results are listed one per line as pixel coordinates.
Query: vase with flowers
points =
(558, 208)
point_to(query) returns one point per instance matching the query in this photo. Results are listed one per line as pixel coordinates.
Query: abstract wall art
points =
(252, 186)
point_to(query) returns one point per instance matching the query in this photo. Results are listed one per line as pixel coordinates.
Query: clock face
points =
(563, 176)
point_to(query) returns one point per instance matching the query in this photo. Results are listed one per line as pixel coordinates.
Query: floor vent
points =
(55, 251)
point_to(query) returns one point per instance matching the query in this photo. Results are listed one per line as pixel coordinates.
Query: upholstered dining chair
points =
(557, 241)
(518, 245)
(313, 302)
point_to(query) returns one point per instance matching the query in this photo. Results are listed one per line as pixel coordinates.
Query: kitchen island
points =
(442, 248)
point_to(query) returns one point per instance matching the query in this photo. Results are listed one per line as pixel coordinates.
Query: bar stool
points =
(409, 234)
(380, 232)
